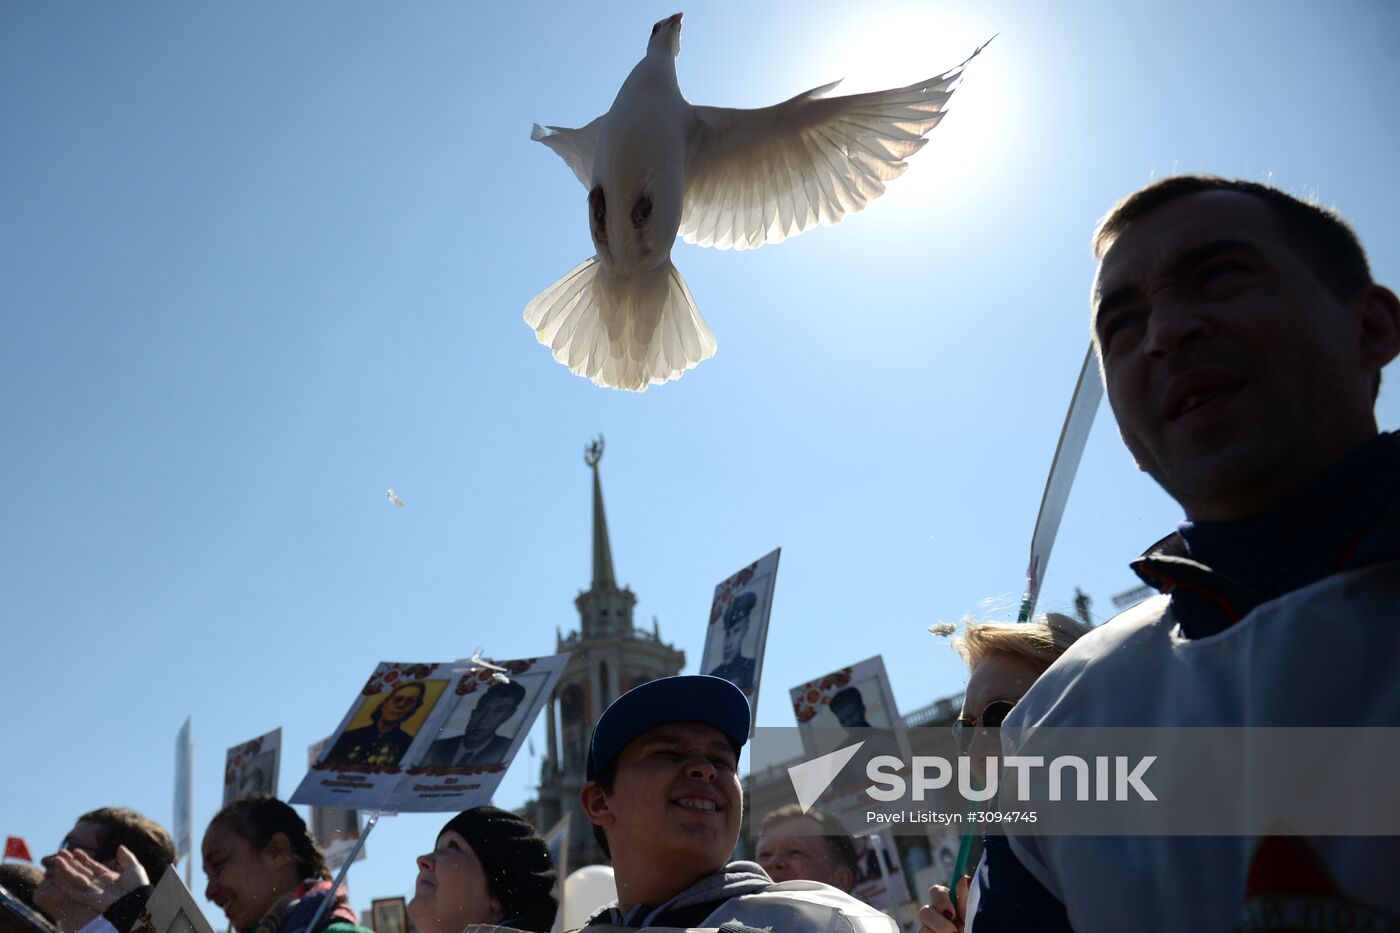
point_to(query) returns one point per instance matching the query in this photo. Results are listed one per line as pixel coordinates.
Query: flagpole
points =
(183, 800)
(344, 870)
(878, 844)
(1084, 404)
(189, 856)
(1069, 450)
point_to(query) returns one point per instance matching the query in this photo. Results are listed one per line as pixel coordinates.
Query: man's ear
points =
(596, 805)
(1379, 315)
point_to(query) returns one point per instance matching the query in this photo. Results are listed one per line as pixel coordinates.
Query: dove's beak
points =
(676, 19)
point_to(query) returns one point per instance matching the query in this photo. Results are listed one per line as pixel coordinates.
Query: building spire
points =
(602, 548)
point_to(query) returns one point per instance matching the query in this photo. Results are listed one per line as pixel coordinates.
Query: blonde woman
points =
(1003, 660)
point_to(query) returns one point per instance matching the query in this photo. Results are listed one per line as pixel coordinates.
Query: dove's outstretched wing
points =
(575, 147)
(761, 176)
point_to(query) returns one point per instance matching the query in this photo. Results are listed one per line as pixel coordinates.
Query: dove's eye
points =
(654, 28)
(641, 211)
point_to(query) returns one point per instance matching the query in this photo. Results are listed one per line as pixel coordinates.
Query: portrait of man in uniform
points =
(735, 667)
(383, 741)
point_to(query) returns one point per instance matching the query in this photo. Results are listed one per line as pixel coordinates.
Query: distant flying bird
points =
(395, 499)
(657, 167)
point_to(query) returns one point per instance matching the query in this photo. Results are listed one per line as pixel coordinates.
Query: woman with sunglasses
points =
(1003, 660)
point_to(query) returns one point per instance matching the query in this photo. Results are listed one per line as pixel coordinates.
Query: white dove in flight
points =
(395, 499)
(657, 167)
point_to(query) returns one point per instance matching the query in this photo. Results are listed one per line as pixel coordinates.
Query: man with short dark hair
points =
(734, 666)
(848, 706)
(664, 798)
(813, 846)
(1241, 341)
(479, 743)
(20, 879)
(97, 841)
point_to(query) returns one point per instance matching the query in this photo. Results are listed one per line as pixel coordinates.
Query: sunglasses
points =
(992, 717)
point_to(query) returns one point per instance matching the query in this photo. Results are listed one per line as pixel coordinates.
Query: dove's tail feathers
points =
(623, 333)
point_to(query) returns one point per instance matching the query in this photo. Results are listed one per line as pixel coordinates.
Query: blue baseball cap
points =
(713, 701)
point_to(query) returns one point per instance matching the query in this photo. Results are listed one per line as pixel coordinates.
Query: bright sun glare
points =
(902, 47)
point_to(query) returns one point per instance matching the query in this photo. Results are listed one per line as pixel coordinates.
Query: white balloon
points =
(585, 891)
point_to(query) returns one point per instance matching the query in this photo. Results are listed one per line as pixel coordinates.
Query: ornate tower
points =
(610, 657)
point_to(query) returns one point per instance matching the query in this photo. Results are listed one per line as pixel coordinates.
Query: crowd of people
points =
(267, 873)
(1241, 341)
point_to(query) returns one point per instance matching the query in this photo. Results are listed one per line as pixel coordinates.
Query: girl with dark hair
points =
(489, 866)
(267, 873)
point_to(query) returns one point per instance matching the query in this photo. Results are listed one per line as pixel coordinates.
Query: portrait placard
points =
(431, 737)
(478, 730)
(336, 829)
(251, 768)
(171, 908)
(738, 628)
(880, 880)
(855, 697)
(390, 915)
(853, 704)
(365, 756)
(945, 844)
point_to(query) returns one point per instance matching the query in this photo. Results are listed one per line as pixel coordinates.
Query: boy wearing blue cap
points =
(664, 798)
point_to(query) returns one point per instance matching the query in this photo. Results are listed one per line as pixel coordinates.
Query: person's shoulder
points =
(805, 907)
(1149, 619)
(1116, 650)
(345, 926)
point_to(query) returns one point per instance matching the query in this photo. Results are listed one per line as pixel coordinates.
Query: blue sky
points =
(259, 262)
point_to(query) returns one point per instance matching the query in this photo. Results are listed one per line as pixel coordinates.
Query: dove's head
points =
(666, 36)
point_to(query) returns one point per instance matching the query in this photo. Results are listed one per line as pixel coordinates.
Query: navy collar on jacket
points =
(1217, 572)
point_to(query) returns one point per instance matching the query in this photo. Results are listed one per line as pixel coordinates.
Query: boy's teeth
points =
(1196, 401)
(696, 803)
